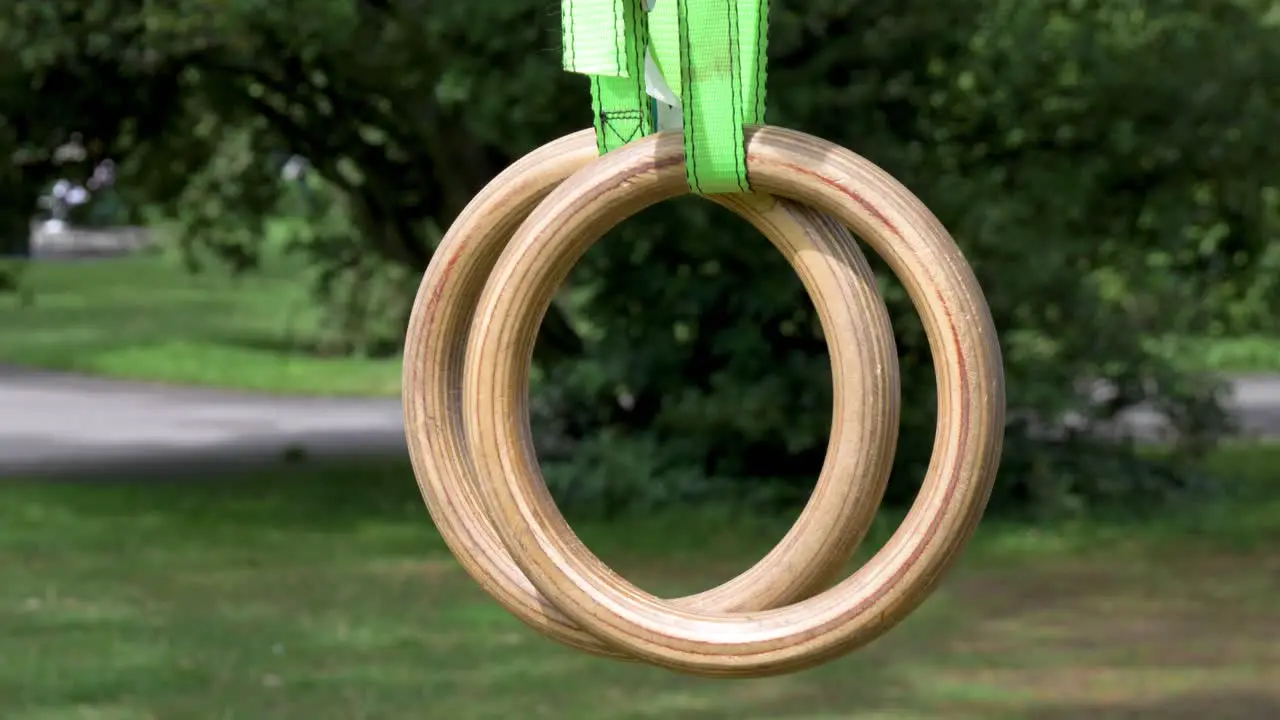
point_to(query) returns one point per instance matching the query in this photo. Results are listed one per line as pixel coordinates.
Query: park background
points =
(1110, 168)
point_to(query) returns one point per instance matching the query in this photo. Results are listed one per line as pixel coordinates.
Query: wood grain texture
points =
(953, 495)
(865, 415)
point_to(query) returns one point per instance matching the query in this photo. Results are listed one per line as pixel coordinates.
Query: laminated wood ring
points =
(864, 364)
(952, 497)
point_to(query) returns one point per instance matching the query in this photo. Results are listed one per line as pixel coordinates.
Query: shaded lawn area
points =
(1246, 355)
(322, 592)
(146, 318)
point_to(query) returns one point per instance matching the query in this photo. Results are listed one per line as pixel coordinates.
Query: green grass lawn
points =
(146, 318)
(1247, 354)
(322, 592)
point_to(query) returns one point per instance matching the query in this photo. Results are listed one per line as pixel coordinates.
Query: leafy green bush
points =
(1107, 167)
(1097, 162)
(364, 298)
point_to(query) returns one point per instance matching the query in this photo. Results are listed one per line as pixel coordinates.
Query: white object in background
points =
(77, 195)
(104, 175)
(294, 168)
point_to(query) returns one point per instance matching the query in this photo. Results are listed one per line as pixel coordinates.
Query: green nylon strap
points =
(594, 34)
(719, 47)
(721, 88)
(605, 40)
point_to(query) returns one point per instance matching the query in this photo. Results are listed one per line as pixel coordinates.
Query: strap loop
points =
(606, 40)
(630, 48)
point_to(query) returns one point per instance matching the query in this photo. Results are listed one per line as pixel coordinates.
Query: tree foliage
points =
(1108, 167)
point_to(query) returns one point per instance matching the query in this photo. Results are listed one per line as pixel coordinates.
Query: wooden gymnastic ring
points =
(952, 497)
(864, 363)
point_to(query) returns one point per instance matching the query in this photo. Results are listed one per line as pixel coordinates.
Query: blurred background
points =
(213, 219)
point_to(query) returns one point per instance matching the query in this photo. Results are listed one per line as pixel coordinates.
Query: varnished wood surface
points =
(865, 414)
(701, 638)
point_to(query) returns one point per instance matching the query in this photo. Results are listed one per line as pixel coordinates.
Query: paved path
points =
(65, 425)
(54, 424)
(1253, 401)
(1256, 402)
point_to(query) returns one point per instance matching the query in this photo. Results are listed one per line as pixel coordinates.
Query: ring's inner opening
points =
(681, 391)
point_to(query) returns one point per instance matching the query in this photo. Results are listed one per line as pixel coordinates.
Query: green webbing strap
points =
(721, 88)
(720, 49)
(594, 34)
(605, 40)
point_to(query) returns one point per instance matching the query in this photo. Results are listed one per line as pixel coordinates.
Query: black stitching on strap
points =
(686, 72)
(762, 53)
(625, 125)
(735, 92)
(566, 30)
(639, 41)
(620, 57)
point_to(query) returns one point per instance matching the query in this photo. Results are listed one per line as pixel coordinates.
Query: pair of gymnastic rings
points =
(466, 381)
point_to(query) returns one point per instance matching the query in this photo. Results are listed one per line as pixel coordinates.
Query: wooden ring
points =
(864, 362)
(952, 497)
